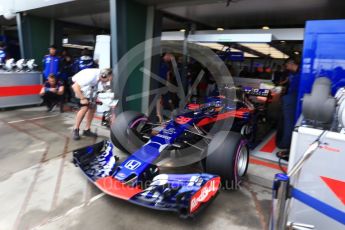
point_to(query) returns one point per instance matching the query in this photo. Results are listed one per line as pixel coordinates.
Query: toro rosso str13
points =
(214, 133)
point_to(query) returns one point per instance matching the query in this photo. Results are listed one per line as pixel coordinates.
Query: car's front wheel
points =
(228, 157)
(125, 131)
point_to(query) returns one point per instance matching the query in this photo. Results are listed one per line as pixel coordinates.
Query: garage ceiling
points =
(214, 13)
(74, 8)
(253, 13)
(85, 12)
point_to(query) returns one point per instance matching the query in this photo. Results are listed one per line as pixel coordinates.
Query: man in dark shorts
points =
(86, 83)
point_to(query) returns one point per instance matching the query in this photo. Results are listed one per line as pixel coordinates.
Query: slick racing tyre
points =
(228, 157)
(125, 131)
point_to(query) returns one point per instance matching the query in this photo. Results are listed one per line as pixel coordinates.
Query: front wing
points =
(182, 193)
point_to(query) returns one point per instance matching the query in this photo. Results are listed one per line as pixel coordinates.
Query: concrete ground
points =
(41, 189)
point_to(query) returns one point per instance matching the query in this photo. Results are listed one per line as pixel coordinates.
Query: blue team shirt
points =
(163, 70)
(84, 62)
(290, 98)
(2, 56)
(57, 85)
(293, 83)
(51, 65)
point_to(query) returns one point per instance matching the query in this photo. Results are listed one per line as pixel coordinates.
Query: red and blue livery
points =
(215, 134)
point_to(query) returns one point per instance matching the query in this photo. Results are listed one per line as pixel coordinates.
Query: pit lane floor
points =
(41, 189)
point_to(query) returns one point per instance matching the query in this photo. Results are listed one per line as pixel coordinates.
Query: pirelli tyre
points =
(124, 131)
(228, 157)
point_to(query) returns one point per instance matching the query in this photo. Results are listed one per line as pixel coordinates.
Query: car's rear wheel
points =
(125, 131)
(228, 157)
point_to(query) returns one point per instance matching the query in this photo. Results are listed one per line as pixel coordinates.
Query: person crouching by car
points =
(52, 93)
(85, 86)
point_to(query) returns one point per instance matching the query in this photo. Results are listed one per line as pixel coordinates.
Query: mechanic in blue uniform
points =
(289, 103)
(51, 64)
(85, 61)
(52, 93)
(2, 52)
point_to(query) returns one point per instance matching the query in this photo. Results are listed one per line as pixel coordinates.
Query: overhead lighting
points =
(220, 47)
(249, 55)
(76, 46)
(226, 37)
(265, 28)
(182, 30)
(214, 46)
(266, 49)
(220, 29)
(296, 52)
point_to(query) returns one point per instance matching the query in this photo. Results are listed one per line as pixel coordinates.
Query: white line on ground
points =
(39, 143)
(70, 211)
(36, 118)
(36, 150)
(31, 119)
(93, 199)
(10, 122)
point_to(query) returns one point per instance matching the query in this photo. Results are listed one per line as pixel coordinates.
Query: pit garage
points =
(197, 114)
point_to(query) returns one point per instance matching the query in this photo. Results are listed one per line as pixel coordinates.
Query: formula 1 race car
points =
(215, 133)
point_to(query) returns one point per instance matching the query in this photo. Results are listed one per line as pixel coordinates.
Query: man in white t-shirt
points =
(86, 84)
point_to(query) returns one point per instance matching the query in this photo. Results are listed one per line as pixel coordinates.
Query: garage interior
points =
(40, 187)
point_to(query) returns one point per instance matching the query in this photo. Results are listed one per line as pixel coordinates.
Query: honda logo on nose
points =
(132, 165)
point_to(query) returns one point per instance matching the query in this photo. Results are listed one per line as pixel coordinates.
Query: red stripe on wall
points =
(8, 91)
(270, 146)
